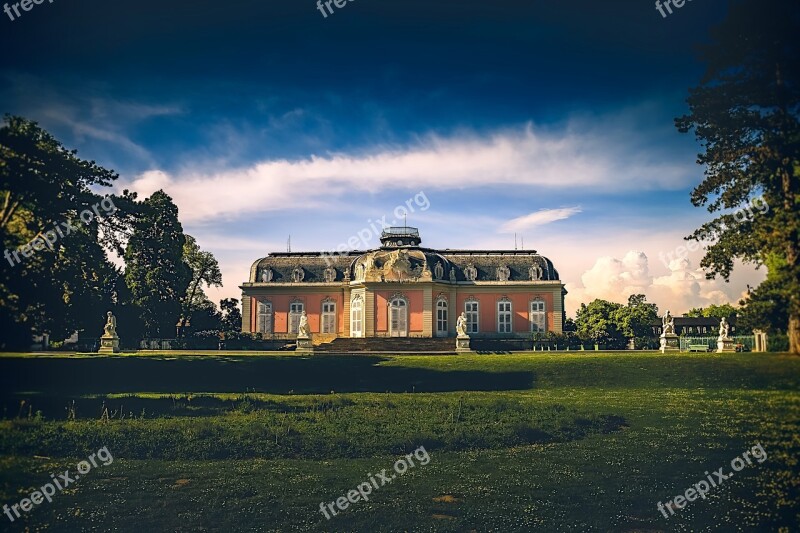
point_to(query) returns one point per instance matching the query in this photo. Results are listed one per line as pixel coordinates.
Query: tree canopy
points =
(612, 324)
(716, 311)
(59, 227)
(155, 271)
(745, 115)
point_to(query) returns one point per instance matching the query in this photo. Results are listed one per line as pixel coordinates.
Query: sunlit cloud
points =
(538, 218)
(523, 157)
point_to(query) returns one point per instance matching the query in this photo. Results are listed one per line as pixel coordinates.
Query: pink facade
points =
(415, 310)
(518, 292)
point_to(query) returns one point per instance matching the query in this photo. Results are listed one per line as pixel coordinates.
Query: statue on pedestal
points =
(304, 343)
(109, 342)
(724, 342)
(668, 340)
(462, 341)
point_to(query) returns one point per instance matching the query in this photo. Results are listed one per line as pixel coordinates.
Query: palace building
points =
(403, 290)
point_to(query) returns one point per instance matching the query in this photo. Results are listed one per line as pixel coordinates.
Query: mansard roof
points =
(486, 265)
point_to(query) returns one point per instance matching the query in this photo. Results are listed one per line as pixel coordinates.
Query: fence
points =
(748, 341)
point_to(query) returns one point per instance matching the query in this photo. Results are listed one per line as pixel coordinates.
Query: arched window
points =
(264, 323)
(441, 317)
(328, 316)
(398, 317)
(471, 309)
(538, 316)
(357, 316)
(504, 316)
(295, 310)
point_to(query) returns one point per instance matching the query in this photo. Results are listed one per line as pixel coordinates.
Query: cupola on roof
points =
(395, 237)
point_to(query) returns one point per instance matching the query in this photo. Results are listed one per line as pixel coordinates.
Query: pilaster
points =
(427, 310)
(247, 313)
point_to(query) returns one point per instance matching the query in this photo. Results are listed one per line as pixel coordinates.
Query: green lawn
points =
(544, 441)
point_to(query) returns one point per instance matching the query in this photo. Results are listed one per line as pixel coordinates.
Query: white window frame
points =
(296, 309)
(442, 317)
(505, 316)
(328, 318)
(473, 315)
(398, 302)
(357, 316)
(537, 316)
(264, 317)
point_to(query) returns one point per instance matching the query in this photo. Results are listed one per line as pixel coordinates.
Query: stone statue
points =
(452, 274)
(724, 329)
(471, 273)
(668, 323)
(302, 329)
(266, 275)
(461, 325)
(438, 270)
(535, 272)
(109, 342)
(111, 325)
(503, 273)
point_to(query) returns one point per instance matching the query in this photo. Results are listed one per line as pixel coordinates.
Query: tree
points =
(231, 315)
(598, 321)
(60, 280)
(636, 319)
(764, 308)
(155, 271)
(205, 271)
(715, 311)
(745, 114)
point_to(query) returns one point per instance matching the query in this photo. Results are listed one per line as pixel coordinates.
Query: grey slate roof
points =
(313, 265)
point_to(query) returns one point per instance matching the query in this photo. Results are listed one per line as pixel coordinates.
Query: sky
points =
(489, 125)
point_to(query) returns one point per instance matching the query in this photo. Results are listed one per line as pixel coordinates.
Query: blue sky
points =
(264, 119)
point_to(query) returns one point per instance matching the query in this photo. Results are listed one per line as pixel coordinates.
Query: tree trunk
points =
(794, 333)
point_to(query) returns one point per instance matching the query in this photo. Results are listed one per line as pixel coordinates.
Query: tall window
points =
(398, 318)
(295, 310)
(264, 324)
(357, 317)
(441, 317)
(504, 316)
(328, 317)
(538, 317)
(471, 310)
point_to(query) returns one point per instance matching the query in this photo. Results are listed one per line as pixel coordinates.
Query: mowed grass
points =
(545, 441)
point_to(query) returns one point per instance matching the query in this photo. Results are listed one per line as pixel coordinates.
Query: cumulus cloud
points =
(564, 159)
(680, 290)
(538, 218)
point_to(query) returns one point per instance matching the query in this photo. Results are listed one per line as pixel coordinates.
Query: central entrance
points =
(398, 318)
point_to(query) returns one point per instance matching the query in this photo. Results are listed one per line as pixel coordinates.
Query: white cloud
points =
(563, 159)
(538, 218)
(680, 290)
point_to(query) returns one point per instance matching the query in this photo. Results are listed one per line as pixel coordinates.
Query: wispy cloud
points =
(538, 218)
(572, 157)
(82, 111)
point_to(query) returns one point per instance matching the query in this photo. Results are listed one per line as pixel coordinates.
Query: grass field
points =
(544, 441)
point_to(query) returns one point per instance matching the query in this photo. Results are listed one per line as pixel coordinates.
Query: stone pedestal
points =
(462, 344)
(109, 344)
(670, 343)
(725, 345)
(304, 345)
(760, 341)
